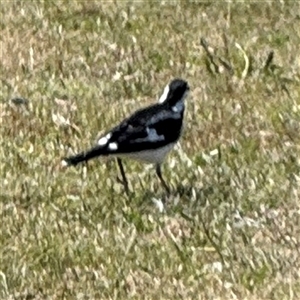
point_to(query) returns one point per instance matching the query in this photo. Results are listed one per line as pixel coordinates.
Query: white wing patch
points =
(153, 136)
(113, 146)
(164, 95)
(104, 140)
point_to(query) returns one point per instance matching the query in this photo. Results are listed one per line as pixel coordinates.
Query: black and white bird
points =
(147, 135)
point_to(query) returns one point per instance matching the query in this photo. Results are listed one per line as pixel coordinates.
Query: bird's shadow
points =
(180, 196)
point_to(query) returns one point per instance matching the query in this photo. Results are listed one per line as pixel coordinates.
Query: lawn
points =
(231, 225)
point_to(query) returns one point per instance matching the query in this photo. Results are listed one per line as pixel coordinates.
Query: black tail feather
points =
(85, 156)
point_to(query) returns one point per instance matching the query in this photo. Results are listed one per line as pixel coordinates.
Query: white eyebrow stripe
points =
(164, 95)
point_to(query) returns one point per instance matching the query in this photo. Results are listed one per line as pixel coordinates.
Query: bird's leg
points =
(158, 172)
(124, 180)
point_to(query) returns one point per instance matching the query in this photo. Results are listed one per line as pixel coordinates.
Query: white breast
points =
(153, 156)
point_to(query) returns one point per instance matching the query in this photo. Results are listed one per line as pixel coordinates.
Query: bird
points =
(147, 135)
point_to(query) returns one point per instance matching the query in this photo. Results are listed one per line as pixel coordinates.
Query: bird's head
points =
(174, 92)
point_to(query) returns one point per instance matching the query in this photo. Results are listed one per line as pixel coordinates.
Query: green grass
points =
(231, 229)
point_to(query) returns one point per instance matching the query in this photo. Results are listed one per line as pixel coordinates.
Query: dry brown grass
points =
(232, 226)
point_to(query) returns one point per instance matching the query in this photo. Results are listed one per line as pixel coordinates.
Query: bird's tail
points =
(85, 156)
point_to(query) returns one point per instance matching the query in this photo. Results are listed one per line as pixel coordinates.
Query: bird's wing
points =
(146, 129)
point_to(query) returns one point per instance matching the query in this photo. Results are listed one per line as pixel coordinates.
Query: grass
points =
(232, 225)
